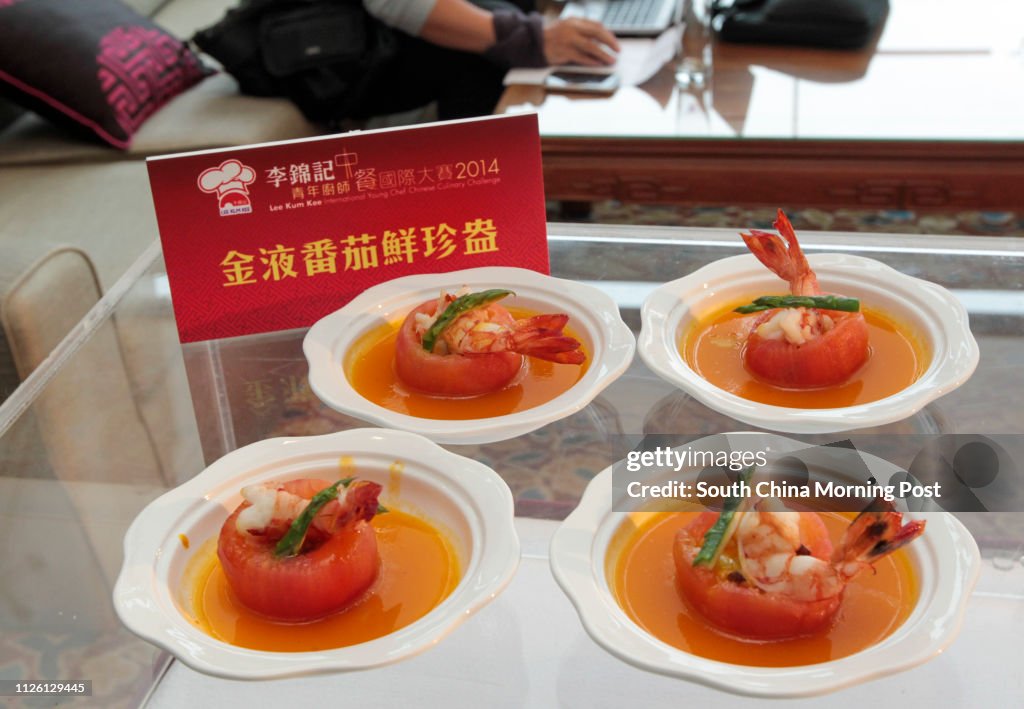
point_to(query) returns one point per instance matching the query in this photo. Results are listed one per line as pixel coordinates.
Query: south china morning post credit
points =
(944, 473)
(701, 490)
(707, 490)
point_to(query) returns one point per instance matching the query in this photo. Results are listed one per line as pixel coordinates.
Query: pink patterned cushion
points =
(96, 67)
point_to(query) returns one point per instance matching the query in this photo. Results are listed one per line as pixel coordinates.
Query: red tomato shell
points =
(747, 611)
(828, 360)
(453, 375)
(314, 584)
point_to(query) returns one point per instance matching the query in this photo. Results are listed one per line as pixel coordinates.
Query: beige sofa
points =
(74, 215)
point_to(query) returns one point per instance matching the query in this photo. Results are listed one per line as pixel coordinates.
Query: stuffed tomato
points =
(452, 374)
(723, 595)
(833, 350)
(332, 561)
(469, 345)
(769, 573)
(809, 339)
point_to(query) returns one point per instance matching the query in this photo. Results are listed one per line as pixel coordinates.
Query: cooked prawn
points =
(273, 509)
(773, 557)
(332, 565)
(782, 254)
(800, 348)
(491, 328)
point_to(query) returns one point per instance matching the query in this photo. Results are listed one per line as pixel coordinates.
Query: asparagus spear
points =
(291, 543)
(822, 302)
(716, 537)
(456, 308)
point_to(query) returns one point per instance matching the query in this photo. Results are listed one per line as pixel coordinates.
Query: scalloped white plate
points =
(593, 315)
(945, 560)
(465, 499)
(930, 311)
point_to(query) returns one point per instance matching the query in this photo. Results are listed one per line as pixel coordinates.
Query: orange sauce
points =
(370, 368)
(418, 570)
(713, 348)
(643, 579)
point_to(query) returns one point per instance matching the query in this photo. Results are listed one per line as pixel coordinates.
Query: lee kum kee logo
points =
(230, 182)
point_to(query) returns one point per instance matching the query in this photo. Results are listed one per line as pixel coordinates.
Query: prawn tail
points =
(785, 229)
(783, 256)
(875, 534)
(905, 534)
(542, 337)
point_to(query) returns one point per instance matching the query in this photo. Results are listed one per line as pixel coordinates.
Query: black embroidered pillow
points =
(94, 66)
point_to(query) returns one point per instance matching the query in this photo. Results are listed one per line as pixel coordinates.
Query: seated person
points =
(456, 52)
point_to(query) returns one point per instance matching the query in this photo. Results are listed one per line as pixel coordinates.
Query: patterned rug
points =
(895, 221)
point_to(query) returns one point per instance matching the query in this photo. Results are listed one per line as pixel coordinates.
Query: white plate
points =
(930, 311)
(945, 560)
(593, 315)
(465, 499)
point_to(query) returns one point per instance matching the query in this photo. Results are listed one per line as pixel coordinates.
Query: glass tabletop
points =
(121, 412)
(958, 81)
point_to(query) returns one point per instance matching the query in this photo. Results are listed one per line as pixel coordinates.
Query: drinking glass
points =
(693, 72)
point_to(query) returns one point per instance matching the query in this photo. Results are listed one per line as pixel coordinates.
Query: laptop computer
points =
(627, 18)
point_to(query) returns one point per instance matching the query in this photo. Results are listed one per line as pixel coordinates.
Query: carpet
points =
(895, 221)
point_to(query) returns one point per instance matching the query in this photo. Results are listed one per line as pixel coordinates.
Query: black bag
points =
(322, 54)
(839, 24)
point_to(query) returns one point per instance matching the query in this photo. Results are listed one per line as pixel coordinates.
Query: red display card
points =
(275, 236)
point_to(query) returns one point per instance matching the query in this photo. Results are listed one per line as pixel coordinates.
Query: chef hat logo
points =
(229, 176)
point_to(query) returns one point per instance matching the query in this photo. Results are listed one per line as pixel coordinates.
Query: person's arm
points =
(458, 24)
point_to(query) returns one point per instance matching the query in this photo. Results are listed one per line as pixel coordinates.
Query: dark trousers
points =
(463, 84)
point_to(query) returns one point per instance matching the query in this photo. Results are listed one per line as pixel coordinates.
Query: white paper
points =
(639, 59)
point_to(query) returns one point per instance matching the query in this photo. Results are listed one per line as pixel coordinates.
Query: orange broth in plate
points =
(713, 348)
(642, 575)
(418, 570)
(369, 366)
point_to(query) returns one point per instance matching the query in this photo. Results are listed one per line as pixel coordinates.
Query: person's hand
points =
(576, 40)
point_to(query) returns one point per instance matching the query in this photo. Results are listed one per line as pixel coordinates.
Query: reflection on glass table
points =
(779, 92)
(108, 425)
